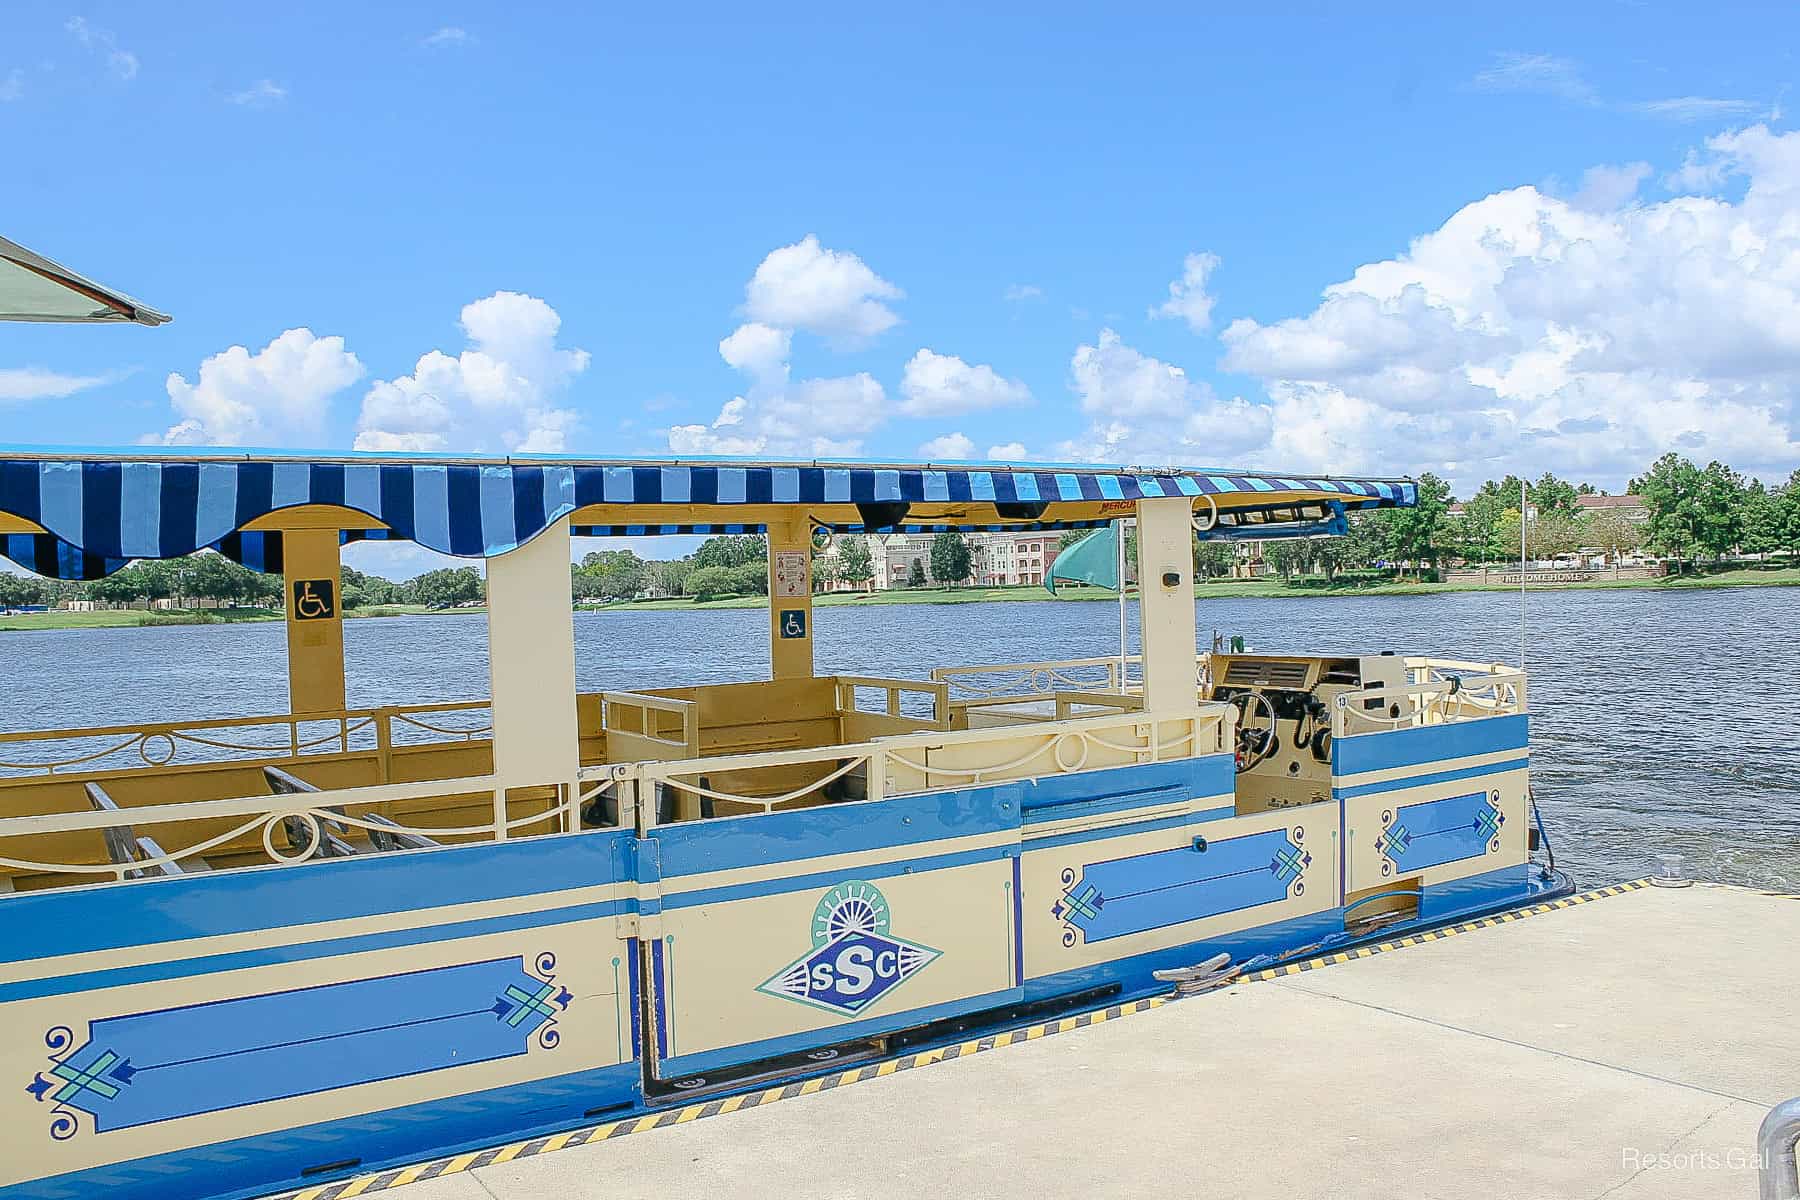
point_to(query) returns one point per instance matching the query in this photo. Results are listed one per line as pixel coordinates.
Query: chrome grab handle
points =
(1776, 1172)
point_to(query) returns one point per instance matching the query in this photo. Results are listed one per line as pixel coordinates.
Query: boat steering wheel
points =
(1256, 732)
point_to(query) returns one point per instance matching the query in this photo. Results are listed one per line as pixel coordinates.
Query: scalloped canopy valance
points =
(83, 514)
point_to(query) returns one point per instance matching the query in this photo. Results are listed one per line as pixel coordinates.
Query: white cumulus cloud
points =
(809, 418)
(1530, 331)
(502, 393)
(279, 396)
(1148, 412)
(802, 287)
(950, 447)
(832, 293)
(1188, 297)
(938, 385)
(758, 350)
(1607, 187)
(1007, 452)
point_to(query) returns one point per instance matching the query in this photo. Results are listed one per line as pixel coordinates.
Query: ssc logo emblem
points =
(854, 960)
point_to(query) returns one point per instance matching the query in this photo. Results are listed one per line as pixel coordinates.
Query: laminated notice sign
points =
(790, 573)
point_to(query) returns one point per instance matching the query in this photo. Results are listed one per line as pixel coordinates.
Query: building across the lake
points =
(1632, 508)
(995, 559)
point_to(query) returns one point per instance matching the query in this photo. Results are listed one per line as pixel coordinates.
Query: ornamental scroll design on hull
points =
(146, 1067)
(1171, 887)
(1434, 832)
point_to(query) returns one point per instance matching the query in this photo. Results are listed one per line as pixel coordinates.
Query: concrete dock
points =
(1625, 1047)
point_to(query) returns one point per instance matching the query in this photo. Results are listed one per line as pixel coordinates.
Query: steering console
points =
(1257, 737)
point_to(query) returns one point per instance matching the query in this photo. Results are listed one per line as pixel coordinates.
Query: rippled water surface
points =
(1661, 721)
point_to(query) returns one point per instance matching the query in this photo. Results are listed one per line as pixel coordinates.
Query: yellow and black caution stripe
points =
(363, 1185)
(1438, 935)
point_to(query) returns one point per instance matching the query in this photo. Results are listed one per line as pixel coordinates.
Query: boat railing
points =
(272, 818)
(1081, 704)
(932, 698)
(1008, 683)
(907, 763)
(36, 754)
(639, 725)
(1442, 691)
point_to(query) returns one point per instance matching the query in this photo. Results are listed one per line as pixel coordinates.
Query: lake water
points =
(1665, 721)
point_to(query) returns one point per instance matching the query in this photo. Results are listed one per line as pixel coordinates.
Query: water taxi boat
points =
(248, 954)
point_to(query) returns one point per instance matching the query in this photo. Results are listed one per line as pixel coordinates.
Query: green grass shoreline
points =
(1250, 589)
(133, 618)
(1223, 589)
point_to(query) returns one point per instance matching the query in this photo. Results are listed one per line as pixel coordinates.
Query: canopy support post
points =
(531, 661)
(1166, 602)
(1124, 629)
(790, 599)
(315, 621)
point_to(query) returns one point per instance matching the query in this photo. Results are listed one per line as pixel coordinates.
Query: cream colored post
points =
(315, 621)
(1166, 602)
(790, 599)
(531, 662)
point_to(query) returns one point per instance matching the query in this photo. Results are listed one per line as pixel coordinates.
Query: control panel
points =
(1284, 705)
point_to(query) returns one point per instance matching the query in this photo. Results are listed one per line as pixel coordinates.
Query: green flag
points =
(1094, 559)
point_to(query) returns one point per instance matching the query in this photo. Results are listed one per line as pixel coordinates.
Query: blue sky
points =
(943, 228)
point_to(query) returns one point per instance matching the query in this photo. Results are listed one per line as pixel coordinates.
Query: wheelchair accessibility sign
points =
(793, 622)
(314, 600)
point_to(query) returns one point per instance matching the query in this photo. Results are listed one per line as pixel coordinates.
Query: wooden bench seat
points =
(388, 836)
(125, 845)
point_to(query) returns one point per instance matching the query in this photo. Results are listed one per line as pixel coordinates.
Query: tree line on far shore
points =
(723, 565)
(207, 577)
(1695, 514)
(738, 565)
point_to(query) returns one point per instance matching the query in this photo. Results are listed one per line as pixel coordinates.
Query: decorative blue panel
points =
(1416, 836)
(1428, 745)
(155, 1066)
(1168, 887)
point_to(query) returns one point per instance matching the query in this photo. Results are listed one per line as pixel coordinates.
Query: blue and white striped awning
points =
(102, 509)
(1321, 520)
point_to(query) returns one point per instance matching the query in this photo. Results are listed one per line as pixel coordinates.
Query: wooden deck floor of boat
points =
(1625, 1047)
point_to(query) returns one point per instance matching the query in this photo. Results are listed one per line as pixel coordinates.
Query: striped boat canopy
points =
(81, 514)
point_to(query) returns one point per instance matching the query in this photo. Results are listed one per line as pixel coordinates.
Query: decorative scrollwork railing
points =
(1039, 680)
(1013, 683)
(39, 753)
(1442, 691)
(406, 720)
(918, 762)
(313, 813)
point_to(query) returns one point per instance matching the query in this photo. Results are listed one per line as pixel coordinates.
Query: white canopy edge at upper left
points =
(32, 288)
